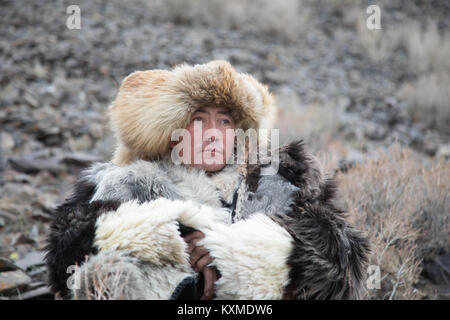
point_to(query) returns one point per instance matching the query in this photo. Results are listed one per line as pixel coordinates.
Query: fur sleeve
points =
(251, 256)
(72, 232)
(81, 220)
(329, 256)
(148, 231)
(141, 254)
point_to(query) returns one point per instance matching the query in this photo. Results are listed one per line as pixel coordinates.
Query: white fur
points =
(112, 181)
(167, 178)
(227, 180)
(116, 275)
(251, 256)
(148, 231)
(193, 184)
(161, 282)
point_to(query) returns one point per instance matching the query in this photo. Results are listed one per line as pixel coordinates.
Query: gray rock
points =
(12, 282)
(38, 271)
(31, 100)
(81, 159)
(33, 164)
(46, 202)
(49, 133)
(40, 216)
(7, 215)
(21, 239)
(34, 233)
(31, 259)
(7, 265)
(443, 152)
(7, 141)
(39, 293)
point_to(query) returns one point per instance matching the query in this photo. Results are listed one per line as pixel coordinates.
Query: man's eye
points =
(197, 119)
(226, 122)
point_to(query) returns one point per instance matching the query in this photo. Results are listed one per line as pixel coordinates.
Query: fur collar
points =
(147, 180)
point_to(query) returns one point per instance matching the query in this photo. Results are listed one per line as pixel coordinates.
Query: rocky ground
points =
(56, 85)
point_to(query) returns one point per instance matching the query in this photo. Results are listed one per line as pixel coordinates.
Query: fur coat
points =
(272, 234)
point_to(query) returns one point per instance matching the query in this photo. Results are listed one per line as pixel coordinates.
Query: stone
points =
(46, 201)
(33, 164)
(40, 216)
(13, 281)
(7, 141)
(32, 259)
(81, 159)
(443, 152)
(39, 293)
(31, 100)
(7, 264)
(21, 239)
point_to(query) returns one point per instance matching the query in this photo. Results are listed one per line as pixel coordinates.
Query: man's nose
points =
(212, 131)
(211, 135)
(211, 124)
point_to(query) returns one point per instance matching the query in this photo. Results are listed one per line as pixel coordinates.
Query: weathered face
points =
(210, 140)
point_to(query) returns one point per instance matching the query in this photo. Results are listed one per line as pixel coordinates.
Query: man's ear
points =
(174, 143)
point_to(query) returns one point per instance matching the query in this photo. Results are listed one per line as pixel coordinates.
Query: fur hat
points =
(151, 104)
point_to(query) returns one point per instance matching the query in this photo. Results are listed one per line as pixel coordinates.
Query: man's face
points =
(211, 139)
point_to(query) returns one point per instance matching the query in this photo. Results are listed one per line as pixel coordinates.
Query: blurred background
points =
(372, 105)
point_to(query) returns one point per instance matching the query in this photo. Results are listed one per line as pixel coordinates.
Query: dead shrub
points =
(286, 19)
(317, 124)
(428, 100)
(404, 207)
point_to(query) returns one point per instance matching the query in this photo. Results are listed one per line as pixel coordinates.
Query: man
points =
(172, 217)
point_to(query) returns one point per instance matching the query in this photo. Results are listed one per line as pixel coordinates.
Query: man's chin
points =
(211, 167)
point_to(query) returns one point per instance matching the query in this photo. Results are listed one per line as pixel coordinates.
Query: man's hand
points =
(199, 259)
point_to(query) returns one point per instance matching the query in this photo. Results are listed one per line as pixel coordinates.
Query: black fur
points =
(329, 256)
(252, 178)
(294, 163)
(72, 232)
(328, 192)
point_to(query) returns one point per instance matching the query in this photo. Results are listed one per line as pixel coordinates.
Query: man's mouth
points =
(212, 150)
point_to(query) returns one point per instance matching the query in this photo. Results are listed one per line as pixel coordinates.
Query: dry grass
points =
(404, 208)
(428, 100)
(317, 124)
(286, 19)
(427, 51)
